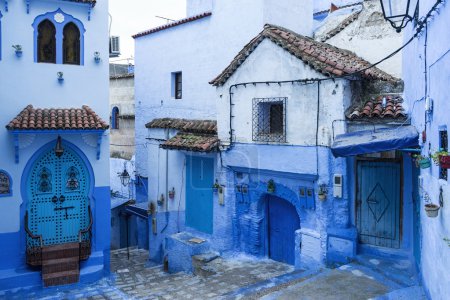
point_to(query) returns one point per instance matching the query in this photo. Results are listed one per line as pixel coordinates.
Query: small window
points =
(71, 44)
(46, 42)
(5, 184)
(269, 119)
(115, 118)
(177, 85)
(443, 145)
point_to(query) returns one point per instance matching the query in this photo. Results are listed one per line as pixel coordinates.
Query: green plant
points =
(17, 47)
(216, 185)
(417, 158)
(447, 240)
(436, 155)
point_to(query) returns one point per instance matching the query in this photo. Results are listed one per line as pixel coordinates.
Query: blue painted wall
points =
(435, 251)
(24, 82)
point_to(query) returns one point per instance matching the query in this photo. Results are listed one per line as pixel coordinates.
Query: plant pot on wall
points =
(424, 163)
(432, 210)
(444, 161)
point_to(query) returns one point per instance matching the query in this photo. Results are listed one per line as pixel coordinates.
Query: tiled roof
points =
(57, 118)
(341, 26)
(92, 2)
(173, 24)
(336, 8)
(192, 142)
(197, 126)
(322, 57)
(373, 109)
(121, 76)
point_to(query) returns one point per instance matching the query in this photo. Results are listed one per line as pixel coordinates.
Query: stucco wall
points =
(370, 37)
(435, 254)
(121, 95)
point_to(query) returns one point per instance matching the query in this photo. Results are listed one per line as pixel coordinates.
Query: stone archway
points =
(252, 227)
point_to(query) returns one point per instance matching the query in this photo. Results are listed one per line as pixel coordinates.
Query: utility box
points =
(337, 186)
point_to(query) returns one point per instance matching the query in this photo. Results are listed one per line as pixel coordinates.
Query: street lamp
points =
(399, 12)
(124, 177)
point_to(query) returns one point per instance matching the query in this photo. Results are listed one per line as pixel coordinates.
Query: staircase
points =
(60, 264)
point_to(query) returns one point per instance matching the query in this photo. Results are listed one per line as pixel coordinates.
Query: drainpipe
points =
(167, 174)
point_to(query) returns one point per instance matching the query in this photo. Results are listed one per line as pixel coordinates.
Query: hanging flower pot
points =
(216, 187)
(172, 193)
(424, 163)
(432, 210)
(271, 186)
(444, 161)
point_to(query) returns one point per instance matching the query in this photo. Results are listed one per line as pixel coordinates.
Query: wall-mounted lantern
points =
(399, 13)
(18, 50)
(97, 58)
(59, 150)
(124, 177)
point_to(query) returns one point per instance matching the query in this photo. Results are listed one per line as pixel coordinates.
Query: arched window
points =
(115, 118)
(5, 184)
(71, 44)
(46, 42)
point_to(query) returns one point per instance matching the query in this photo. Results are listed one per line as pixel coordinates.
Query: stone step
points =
(200, 265)
(60, 264)
(61, 251)
(61, 278)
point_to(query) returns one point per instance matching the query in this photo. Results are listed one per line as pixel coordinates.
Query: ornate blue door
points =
(199, 194)
(283, 221)
(58, 200)
(378, 200)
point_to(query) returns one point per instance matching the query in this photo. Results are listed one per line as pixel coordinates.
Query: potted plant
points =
(97, 57)
(271, 186)
(216, 187)
(441, 158)
(60, 76)
(18, 49)
(431, 209)
(421, 161)
(172, 193)
(323, 191)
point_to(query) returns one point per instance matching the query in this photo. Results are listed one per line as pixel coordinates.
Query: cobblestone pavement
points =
(135, 279)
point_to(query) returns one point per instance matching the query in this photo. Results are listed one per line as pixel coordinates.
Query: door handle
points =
(55, 199)
(62, 198)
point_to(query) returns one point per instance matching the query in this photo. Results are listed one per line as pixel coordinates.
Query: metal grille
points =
(269, 119)
(443, 137)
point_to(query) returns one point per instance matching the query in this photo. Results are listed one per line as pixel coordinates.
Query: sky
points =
(132, 16)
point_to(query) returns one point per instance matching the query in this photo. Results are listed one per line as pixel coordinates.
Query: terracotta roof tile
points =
(373, 109)
(341, 26)
(339, 61)
(192, 142)
(197, 126)
(173, 24)
(92, 2)
(32, 118)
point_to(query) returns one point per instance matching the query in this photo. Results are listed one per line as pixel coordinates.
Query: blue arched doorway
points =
(58, 192)
(282, 222)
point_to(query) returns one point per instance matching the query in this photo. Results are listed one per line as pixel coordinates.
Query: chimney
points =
(196, 7)
(296, 15)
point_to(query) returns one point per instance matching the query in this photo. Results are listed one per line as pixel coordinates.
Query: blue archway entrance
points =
(57, 189)
(282, 221)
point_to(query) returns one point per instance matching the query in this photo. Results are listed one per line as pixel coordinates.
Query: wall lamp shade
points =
(124, 177)
(399, 12)
(59, 150)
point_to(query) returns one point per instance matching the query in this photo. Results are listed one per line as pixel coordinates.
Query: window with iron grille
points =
(269, 119)
(443, 142)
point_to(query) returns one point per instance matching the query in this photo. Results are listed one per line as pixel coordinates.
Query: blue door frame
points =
(199, 194)
(282, 222)
(378, 202)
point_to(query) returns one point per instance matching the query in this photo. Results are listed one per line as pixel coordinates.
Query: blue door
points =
(57, 189)
(199, 194)
(283, 221)
(417, 232)
(378, 203)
